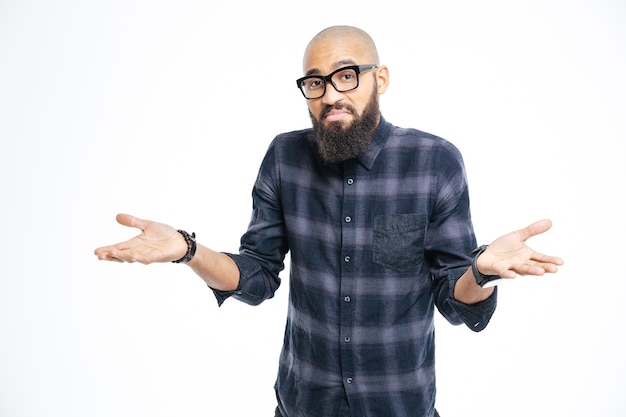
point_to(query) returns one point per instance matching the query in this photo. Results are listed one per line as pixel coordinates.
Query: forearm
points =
(218, 270)
(467, 291)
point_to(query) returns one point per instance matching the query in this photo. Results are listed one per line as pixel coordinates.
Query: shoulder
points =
(292, 149)
(419, 140)
(416, 136)
(293, 138)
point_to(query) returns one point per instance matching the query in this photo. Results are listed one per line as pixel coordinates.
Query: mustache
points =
(337, 106)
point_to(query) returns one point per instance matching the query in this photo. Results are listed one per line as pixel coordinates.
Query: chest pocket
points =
(399, 241)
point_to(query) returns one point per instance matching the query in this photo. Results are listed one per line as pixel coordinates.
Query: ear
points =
(382, 79)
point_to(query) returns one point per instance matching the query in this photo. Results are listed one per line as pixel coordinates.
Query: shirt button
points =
(349, 380)
(350, 181)
(346, 299)
(346, 259)
(347, 339)
(348, 219)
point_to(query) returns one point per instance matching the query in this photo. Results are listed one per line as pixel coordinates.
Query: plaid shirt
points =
(375, 243)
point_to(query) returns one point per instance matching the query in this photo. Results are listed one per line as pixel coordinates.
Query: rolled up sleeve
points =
(264, 245)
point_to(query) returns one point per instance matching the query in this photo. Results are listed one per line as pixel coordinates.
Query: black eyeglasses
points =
(344, 79)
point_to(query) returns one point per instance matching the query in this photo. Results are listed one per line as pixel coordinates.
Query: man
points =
(377, 222)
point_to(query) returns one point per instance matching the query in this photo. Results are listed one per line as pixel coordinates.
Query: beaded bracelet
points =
(480, 278)
(191, 247)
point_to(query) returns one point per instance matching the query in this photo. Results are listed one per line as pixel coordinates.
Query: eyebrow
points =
(336, 65)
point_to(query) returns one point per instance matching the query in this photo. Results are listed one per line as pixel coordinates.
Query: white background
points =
(164, 109)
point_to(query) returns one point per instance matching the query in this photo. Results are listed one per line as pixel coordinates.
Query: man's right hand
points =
(157, 242)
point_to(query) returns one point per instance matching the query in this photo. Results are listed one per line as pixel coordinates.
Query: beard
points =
(336, 143)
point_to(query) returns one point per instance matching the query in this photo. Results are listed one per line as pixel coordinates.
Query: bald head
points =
(349, 36)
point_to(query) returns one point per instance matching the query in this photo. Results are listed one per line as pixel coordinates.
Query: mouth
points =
(336, 115)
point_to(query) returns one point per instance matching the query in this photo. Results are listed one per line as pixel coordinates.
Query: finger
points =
(103, 252)
(535, 268)
(105, 255)
(522, 269)
(550, 268)
(508, 273)
(122, 255)
(113, 259)
(545, 259)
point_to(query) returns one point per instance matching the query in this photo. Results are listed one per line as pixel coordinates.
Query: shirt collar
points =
(378, 141)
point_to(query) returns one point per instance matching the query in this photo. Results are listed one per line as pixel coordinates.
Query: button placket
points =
(347, 278)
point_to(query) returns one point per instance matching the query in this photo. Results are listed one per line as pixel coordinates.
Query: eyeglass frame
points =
(328, 78)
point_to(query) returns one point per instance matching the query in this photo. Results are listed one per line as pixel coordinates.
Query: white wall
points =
(149, 107)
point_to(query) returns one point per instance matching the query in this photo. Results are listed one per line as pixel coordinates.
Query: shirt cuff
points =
(476, 316)
(250, 291)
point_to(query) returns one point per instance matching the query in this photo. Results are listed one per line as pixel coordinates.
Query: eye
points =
(315, 83)
(347, 76)
(312, 83)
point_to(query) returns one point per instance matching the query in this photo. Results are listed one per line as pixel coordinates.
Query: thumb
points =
(131, 221)
(535, 228)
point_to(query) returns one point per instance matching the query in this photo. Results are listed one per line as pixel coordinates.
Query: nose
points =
(331, 96)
